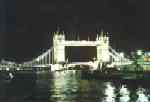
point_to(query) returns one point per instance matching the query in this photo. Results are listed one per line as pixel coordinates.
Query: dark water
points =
(69, 86)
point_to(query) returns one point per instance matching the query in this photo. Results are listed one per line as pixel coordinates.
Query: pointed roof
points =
(58, 30)
(102, 32)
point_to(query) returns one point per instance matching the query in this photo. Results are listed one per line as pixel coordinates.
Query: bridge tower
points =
(59, 47)
(103, 47)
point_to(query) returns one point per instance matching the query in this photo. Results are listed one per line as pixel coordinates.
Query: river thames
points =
(70, 86)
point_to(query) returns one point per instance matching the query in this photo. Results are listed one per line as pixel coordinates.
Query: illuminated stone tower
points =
(59, 48)
(103, 47)
(101, 43)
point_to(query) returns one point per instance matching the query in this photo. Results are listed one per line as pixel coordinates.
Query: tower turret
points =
(58, 43)
(103, 49)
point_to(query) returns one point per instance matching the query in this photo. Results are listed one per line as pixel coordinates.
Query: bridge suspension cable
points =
(118, 58)
(44, 58)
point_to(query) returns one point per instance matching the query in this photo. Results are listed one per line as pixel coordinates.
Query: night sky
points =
(27, 25)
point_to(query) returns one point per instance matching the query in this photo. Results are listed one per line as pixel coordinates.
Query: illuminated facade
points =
(101, 43)
(144, 61)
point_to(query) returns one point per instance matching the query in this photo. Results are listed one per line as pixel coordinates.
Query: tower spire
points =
(58, 30)
(107, 33)
(102, 32)
(78, 38)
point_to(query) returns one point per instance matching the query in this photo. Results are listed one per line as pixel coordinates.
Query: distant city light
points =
(7, 69)
(147, 54)
(139, 52)
(18, 68)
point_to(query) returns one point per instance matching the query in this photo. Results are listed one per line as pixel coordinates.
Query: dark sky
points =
(27, 23)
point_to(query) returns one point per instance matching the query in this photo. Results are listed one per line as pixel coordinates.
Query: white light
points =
(124, 92)
(122, 54)
(139, 52)
(141, 96)
(18, 68)
(125, 98)
(38, 59)
(11, 75)
(148, 53)
(7, 69)
(110, 93)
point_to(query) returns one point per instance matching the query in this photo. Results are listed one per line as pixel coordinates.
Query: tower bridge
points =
(55, 56)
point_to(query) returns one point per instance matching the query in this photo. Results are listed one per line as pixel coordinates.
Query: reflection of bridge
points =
(55, 56)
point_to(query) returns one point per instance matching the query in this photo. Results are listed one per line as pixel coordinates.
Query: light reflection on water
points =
(141, 95)
(125, 94)
(109, 93)
(63, 87)
(69, 86)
